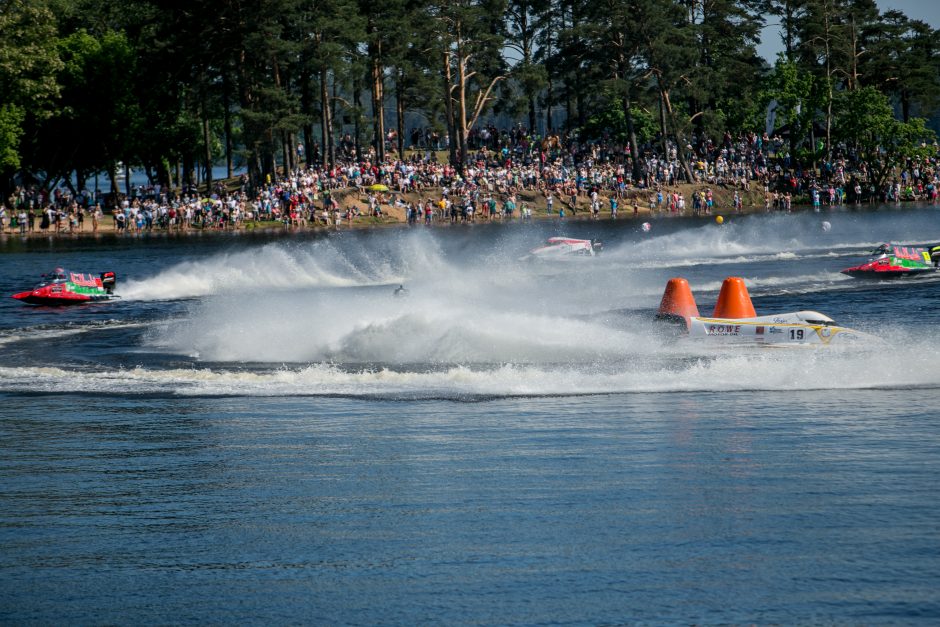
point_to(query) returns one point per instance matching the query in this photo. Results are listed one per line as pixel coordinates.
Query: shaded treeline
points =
(89, 85)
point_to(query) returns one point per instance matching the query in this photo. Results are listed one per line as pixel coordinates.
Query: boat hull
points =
(564, 248)
(36, 297)
(779, 330)
(895, 262)
(862, 272)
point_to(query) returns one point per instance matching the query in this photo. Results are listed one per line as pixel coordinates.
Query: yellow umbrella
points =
(378, 187)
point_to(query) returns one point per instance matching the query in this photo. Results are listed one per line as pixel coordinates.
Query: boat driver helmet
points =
(884, 249)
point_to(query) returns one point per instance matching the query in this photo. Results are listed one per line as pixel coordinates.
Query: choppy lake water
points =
(258, 432)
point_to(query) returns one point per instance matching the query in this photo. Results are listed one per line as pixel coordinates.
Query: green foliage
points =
(904, 61)
(86, 83)
(795, 96)
(866, 122)
(28, 57)
(609, 121)
(11, 123)
(29, 63)
(92, 126)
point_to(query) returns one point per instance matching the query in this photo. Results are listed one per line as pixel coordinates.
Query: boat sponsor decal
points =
(723, 329)
(79, 278)
(911, 254)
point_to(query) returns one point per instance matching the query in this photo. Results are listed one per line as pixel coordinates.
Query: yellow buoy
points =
(719, 219)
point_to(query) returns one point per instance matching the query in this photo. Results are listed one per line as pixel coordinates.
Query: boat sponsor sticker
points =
(79, 278)
(723, 329)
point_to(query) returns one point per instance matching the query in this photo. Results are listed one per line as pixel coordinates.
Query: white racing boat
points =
(565, 248)
(734, 320)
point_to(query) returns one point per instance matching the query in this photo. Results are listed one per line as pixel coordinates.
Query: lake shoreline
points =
(752, 202)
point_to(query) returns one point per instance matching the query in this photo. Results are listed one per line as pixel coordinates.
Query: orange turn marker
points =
(678, 301)
(733, 300)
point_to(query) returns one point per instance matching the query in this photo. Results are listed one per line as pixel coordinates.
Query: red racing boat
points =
(891, 262)
(61, 287)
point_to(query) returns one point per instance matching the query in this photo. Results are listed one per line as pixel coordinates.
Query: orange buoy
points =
(733, 300)
(678, 301)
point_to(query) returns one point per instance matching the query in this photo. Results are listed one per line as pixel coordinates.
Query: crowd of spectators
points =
(562, 171)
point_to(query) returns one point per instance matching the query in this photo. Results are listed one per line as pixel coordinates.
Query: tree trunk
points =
(623, 73)
(400, 111)
(662, 123)
(112, 178)
(548, 110)
(680, 140)
(631, 136)
(532, 121)
(853, 75)
(462, 104)
(286, 152)
(830, 97)
(449, 111)
(306, 108)
(326, 124)
(378, 101)
(333, 101)
(357, 124)
(227, 121)
(207, 149)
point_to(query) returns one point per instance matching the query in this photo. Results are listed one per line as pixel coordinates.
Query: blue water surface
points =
(172, 489)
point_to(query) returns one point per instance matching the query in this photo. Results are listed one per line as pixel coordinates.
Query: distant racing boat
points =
(61, 287)
(892, 262)
(565, 248)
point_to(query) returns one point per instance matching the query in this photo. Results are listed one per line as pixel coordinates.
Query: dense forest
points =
(87, 86)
